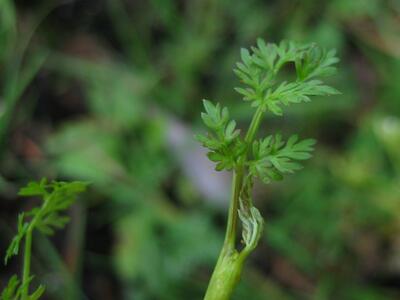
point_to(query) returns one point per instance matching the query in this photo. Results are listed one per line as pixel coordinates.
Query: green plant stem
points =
(27, 264)
(255, 123)
(229, 266)
(27, 253)
(230, 236)
(226, 275)
(237, 181)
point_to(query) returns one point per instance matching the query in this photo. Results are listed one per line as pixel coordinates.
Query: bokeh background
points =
(110, 91)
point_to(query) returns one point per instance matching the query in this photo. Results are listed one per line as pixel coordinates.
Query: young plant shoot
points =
(56, 198)
(268, 159)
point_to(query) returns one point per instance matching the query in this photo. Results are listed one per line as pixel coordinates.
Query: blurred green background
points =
(110, 91)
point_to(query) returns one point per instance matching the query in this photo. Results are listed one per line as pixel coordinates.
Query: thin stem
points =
(230, 263)
(230, 236)
(27, 264)
(28, 251)
(237, 182)
(255, 123)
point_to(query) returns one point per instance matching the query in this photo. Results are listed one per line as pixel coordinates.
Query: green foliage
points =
(223, 141)
(252, 223)
(273, 157)
(250, 216)
(99, 120)
(13, 248)
(258, 72)
(56, 197)
(269, 158)
(315, 62)
(13, 290)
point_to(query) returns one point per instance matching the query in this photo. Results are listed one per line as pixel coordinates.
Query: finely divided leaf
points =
(13, 248)
(265, 55)
(223, 140)
(34, 188)
(296, 92)
(38, 293)
(258, 72)
(215, 117)
(273, 157)
(316, 62)
(56, 196)
(14, 288)
(11, 291)
(60, 197)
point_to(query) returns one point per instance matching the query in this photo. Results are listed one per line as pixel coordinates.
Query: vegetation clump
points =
(269, 158)
(56, 197)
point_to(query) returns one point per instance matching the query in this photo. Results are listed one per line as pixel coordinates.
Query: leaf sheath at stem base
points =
(226, 275)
